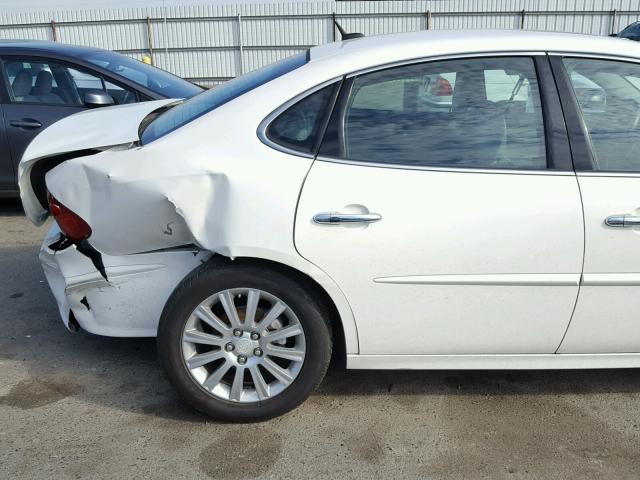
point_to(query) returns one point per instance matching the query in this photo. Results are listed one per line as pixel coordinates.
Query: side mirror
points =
(613, 34)
(98, 98)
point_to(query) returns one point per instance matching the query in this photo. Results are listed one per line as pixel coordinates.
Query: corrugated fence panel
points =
(112, 36)
(34, 33)
(212, 43)
(459, 22)
(284, 31)
(186, 33)
(256, 58)
(195, 64)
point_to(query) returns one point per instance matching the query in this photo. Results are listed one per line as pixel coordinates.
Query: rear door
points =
(602, 98)
(453, 225)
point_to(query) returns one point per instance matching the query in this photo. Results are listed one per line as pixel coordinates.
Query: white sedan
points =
(326, 205)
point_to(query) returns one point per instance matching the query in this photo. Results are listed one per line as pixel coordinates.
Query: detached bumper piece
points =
(126, 299)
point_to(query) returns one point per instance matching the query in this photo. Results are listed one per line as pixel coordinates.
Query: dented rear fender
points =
(80, 134)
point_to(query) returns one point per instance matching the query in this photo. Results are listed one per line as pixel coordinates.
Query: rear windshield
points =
(203, 103)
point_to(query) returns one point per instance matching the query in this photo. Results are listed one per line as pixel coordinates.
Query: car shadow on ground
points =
(10, 207)
(126, 374)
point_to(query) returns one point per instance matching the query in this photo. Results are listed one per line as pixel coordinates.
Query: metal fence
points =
(209, 44)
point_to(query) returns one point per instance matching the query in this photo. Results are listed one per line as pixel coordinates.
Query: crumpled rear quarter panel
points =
(211, 183)
(126, 304)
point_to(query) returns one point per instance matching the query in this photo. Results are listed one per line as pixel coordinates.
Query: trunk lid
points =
(83, 132)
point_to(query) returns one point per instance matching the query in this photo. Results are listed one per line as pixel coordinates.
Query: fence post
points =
(54, 32)
(150, 40)
(522, 13)
(166, 62)
(614, 14)
(428, 19)
(240, 46)
(333, 25)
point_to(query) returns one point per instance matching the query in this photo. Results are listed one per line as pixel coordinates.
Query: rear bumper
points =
(130, 301)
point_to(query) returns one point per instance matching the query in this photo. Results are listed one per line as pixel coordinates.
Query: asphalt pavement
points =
(83, 406)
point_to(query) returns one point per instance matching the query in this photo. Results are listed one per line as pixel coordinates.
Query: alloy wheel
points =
(243, 345)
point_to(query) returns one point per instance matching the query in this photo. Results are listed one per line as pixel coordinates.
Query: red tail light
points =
(441, 88)
(74, 227)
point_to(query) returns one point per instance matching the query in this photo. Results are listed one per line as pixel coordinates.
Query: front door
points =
(41, 92)
(440, 210)
(606, 98)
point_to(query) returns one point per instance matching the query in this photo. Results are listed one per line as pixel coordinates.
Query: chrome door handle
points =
(621, 221)
(335, 218)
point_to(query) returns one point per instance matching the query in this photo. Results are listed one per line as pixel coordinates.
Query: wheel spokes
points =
(258, 382)
(236, 386)
(214, 379)
(226, 300)
(200, 359)
(293, 354)
(276, 310)
(201, 338)
(258, 345)
(277, 371)
(205, 314)
(283, 333)
(253, 297)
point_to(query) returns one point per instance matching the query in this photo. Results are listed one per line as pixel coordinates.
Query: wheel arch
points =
(345, 335)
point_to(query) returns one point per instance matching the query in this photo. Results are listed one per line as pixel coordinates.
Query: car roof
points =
(381, 49)
(631, 25)
(44, 47)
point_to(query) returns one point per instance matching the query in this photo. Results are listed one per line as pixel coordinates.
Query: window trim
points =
(4, 84)
(438, 58)
(558, 153)
(263, 127)
(513, 171)
(581, 146)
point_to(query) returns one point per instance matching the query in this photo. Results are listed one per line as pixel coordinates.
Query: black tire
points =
(214, 277)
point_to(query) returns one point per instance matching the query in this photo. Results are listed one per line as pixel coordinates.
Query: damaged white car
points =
(329, 203)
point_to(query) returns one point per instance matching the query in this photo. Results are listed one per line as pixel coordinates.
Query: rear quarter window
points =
(299, 127)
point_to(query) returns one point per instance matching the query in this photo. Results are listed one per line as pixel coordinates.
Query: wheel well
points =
(339, 355)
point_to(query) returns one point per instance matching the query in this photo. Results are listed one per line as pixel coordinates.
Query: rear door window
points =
(40, 82)
(470, 113)
(37, 81)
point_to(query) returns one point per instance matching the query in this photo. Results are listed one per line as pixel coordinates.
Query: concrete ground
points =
(82, 406)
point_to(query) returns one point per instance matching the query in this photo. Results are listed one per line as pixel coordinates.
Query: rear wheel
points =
(243, 343)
